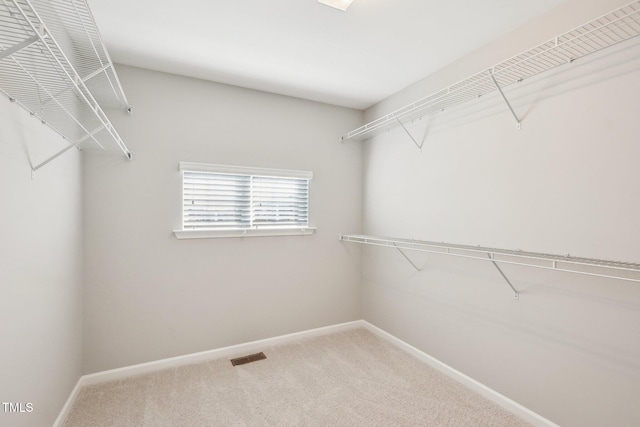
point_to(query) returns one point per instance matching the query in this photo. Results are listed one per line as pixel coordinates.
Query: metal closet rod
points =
(505, 256)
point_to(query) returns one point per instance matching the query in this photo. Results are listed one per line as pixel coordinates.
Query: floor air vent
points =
(248, 359)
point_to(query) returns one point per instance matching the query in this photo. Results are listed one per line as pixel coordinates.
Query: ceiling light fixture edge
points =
(343, 5)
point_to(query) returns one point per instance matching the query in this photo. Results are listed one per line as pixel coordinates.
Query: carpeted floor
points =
(350, 378)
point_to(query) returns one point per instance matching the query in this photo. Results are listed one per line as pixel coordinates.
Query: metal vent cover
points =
(248, 359)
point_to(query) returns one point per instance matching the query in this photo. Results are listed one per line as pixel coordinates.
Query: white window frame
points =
(241, 232)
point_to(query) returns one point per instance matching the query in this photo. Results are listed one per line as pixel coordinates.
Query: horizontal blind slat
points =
(223, 200)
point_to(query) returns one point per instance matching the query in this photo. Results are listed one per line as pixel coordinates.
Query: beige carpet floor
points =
(351, 378)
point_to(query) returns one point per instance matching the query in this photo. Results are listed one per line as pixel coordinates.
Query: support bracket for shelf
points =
(504, 98)
(516, 295)
(410, 136)
(67, 148)
(19, 46)
(406, 257)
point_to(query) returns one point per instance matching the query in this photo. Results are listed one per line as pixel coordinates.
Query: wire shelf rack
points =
(610, 29)
(586, 266)
(54, 64)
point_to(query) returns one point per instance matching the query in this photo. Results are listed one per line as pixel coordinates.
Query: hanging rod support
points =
(406, 257)
(513, 113)
(410, 136)
(16, 47)
(67, 148)
(516, 295)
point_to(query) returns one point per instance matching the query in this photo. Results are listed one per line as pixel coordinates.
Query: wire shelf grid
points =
(52, 63)
(610, 29)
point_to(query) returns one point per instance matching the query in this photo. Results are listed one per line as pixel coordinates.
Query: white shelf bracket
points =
(406, 257)
(504, 98)
(411, 136)
(67, 148)
(516, 294)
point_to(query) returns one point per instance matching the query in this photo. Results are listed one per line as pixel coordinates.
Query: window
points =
(235, 201)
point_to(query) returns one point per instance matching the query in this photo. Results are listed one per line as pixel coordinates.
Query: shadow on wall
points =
(552, 311)
(35, 150)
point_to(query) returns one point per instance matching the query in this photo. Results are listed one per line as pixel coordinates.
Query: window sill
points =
(216, 234)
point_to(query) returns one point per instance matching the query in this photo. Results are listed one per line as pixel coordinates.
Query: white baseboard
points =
(489, 393)
(235, 350)
(68, 404)
(173, 362)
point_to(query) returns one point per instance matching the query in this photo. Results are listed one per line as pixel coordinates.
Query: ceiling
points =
(305, 49)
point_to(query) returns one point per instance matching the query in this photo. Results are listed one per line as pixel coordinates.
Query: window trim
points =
(263, 232)
(243, 170)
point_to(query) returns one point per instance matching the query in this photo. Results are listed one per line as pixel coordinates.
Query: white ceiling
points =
(302, 48)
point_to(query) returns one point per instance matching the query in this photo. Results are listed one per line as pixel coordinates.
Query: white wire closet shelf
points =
(54, 64)
(610, 29)
(586, 266)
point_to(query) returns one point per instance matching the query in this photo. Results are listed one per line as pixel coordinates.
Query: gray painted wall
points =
(40, 270)
(567, 182)
(150, 296)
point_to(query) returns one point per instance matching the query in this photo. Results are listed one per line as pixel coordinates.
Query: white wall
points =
(40, 270)
(150, 296)
(567, 182)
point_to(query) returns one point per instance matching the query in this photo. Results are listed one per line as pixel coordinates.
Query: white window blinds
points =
(217, 197)
(279, 201)
(214, 200)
